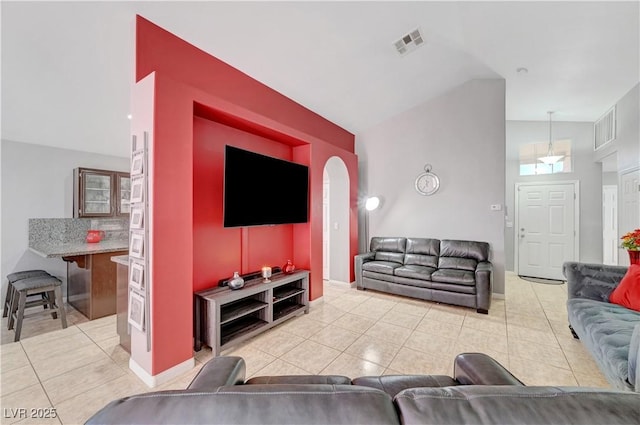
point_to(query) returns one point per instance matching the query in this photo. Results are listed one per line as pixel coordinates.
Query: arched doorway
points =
(335, 221)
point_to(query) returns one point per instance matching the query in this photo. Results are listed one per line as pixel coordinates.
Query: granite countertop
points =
(66, 237)
(68, 249)
(121, 259)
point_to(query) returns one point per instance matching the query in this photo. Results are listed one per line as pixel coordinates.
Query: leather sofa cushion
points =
(299, 379)
(457, 263)
(246, 404)
(480, 404)
(393, 384)
(385, 267)
(605, 329)
(415, 271)
(461, 277)
(422, 252)
(394, 257)
(478, 251)
(388, 244)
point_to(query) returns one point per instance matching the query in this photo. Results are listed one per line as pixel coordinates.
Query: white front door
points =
(630, 205)
(546, 229)
(610, 240)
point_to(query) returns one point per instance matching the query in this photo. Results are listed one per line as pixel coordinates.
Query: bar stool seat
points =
(44, 284)
(13, 277)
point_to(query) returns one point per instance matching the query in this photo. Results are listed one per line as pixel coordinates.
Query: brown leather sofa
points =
(481, 391)
(446, 271)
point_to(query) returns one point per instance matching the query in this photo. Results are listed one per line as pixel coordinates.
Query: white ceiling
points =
(67, 67)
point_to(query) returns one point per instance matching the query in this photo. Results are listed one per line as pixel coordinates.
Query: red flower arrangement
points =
(631, 241)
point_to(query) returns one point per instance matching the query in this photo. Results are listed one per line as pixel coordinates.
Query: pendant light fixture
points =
(550, 158)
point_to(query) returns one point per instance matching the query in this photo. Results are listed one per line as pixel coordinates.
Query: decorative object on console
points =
(631, 242)
(289, 267)
(94, 236)
(427, 183)
(266, 274)
(236, 282)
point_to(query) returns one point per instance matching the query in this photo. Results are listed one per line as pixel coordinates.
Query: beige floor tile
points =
(102, 332)
(367, 310)
(532, 335)
(98, 323)
(388, 332)
(435, 327)
(374, 350)
(484, 341)
(335, 337)
(17, 379)
(497, 327)
(279, 368)
(534, 373)
(66, 362)
(325, 313)
(529, 322)
(311, 356)
(48, 338)
(78, 409)
(57, 347)
(409, 361)
(18, 404)
(433, 344)
(81, 379)
(302, 326)
(12, 356)
(440, 314)
(352, 367)
(593, 380)
(254, 359)
(398, 318)
(276, 342)
(553, 356)
(354, 323)
(414, 308)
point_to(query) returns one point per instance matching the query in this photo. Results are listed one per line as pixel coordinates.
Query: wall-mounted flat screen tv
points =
(262, 190)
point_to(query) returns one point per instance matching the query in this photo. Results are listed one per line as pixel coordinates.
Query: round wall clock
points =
(427, 183)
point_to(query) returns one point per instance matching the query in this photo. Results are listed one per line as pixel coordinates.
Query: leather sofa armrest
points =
(484, 286)
(358, 261)
(218, 372)
(592, 281)
(480, 369)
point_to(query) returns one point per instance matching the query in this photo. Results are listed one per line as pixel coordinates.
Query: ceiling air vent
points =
(604, 130)
(409, 42)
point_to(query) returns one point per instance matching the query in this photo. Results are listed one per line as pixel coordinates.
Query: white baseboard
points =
(154, 380)
(497, 296)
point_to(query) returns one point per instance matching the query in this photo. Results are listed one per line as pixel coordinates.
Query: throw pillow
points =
(627, 293)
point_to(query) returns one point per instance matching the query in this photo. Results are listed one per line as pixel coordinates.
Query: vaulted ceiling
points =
(67, 67)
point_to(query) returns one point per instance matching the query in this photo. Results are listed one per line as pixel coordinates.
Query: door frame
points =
(576, 217)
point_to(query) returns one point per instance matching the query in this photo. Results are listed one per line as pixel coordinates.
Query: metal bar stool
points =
(13, 277)
(50, 285)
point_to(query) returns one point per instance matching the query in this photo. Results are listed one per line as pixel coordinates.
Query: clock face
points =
(427, 184)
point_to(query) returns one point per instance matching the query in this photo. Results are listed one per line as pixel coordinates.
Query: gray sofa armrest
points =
(484, 285)
(480, 369)
(358, 261)
(592, 281)
(634, 359)
(218, 372)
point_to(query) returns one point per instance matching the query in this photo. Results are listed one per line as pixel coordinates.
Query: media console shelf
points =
(225, 317)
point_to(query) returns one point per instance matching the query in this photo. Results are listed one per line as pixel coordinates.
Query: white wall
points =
(585, 170)
(37, 182)
(338, 220)
(462, 135)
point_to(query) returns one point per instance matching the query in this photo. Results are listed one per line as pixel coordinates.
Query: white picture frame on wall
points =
(137, 163)
(137, 189)
(136, 275)
(136, 310)
(136, 245)
(137, 217)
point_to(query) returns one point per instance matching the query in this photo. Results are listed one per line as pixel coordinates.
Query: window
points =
(530, 165)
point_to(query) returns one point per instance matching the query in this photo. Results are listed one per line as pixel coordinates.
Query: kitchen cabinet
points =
(100, 193)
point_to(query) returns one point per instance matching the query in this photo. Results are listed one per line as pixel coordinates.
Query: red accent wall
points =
(200, 104)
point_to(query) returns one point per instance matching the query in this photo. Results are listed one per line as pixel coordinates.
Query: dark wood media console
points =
(225, 317)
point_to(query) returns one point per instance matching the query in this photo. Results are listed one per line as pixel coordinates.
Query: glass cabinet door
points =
(96, 189)
(123, 193)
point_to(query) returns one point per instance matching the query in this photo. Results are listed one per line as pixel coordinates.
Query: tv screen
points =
(261, 190)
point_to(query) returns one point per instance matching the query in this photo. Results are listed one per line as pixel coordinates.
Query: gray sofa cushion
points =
(606, 330)
(478, 251)
(415, 271)
(384, 267)
(388, 244)
(422, 252)
(461, 277)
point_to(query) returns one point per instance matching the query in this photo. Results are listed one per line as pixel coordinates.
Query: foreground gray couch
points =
(481, 391)
(609, 331)
(447, 271)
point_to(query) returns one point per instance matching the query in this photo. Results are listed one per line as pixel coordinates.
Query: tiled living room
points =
(354, 333)
(503, 161)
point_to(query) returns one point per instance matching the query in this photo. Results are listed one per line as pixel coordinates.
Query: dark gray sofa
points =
(447, 271)
(481, 391)
(609, 331)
